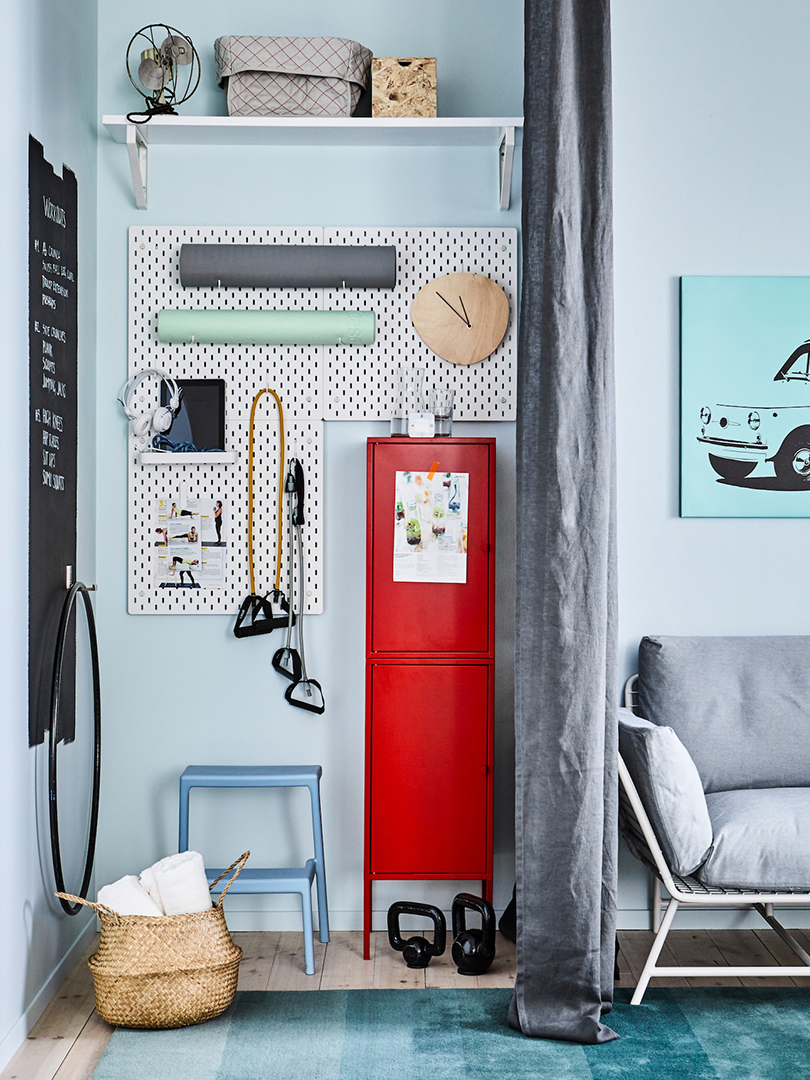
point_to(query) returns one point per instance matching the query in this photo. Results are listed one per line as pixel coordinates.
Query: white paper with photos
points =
(430, 526)
(189, 549)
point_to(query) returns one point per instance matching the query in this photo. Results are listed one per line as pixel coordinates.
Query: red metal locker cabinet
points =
(429, 680)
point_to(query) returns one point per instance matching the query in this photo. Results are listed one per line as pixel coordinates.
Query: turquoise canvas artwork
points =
(745, 397)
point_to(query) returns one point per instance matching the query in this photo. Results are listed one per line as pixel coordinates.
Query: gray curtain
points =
(566, 609)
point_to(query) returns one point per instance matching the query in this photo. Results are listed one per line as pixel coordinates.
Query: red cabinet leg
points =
(367, 920)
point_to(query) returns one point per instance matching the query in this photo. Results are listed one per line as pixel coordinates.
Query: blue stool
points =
(270, 880)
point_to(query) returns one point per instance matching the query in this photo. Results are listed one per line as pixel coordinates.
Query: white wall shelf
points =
(497, 132)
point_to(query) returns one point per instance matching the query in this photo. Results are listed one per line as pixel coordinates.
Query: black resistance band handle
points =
(56, 691)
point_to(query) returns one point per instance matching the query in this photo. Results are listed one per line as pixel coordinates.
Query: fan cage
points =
(174, 91)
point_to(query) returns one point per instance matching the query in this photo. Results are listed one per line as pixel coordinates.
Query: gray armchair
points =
(714, 772)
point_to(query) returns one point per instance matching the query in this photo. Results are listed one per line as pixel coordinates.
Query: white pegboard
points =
(154, 283)
(149, 483)
(314, 383)
(359, 385)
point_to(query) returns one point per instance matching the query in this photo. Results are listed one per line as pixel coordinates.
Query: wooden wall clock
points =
(461, 317)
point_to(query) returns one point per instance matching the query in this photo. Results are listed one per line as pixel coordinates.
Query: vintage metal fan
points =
(164, 68)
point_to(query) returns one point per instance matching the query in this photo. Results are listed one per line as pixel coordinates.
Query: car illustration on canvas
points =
(741, 437)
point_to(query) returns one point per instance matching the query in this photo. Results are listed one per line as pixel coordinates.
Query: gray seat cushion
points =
(670, 790)
(740, 705)
(761, 839)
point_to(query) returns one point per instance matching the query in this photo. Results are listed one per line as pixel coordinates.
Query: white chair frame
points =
(688, 891)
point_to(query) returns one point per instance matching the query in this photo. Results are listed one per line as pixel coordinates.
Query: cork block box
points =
(403, 86)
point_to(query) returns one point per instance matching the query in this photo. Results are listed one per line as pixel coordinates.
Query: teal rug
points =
(700, 1034)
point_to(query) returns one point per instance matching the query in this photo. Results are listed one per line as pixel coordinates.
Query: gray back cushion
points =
(670, 790)
(740, 705)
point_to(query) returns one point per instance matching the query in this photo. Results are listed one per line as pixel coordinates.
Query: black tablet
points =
(201, 417)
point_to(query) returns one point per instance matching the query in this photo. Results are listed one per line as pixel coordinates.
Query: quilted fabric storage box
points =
(291, 76)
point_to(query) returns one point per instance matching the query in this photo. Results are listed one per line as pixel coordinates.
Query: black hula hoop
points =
(56, 691)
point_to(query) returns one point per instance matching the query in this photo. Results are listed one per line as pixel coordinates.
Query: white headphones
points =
(155, 421)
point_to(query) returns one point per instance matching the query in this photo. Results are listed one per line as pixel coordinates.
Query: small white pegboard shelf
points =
(315, 383)
(171, 457)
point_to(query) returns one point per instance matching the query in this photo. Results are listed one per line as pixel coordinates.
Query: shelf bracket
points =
(137, 149)
(506, 155)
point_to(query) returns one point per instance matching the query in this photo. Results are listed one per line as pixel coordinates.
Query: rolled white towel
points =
(128, 897)
(148, 881)
(180, 883)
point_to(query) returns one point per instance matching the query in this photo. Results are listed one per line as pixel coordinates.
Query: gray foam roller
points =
(288, 266)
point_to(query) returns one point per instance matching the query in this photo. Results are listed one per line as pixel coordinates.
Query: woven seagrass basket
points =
(164, 971)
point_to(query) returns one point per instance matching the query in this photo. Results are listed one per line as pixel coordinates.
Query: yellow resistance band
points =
(280, 488)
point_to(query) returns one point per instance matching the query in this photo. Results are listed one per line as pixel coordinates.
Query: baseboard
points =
(715, 919)
(17, 1034)
(241, 918)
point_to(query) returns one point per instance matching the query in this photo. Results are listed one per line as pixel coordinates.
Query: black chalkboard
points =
(52, 337)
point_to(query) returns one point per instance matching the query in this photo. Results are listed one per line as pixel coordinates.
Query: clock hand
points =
(462, 317)
(466, 316)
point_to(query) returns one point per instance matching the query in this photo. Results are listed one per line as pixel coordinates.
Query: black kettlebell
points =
(417, 951)
(473, 950)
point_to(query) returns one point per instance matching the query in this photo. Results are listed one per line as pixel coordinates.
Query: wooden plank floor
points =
(69, 1038)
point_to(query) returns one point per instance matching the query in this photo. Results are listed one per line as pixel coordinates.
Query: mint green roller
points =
(266, 327)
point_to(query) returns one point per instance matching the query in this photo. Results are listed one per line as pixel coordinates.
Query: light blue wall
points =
(710, 107)
(52, 50)
(180, 690)
(711, 104)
